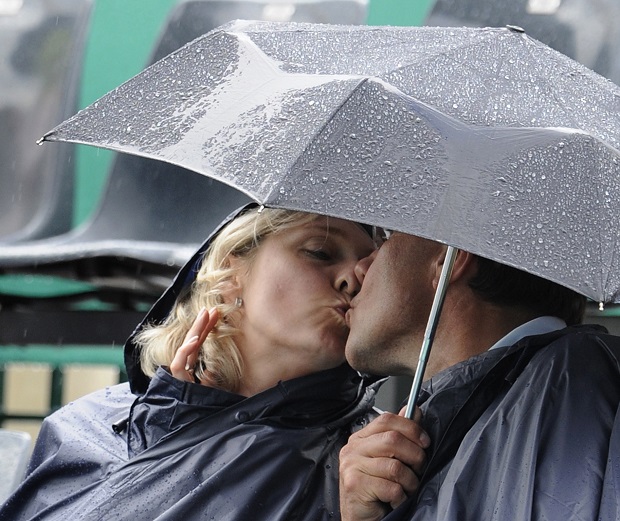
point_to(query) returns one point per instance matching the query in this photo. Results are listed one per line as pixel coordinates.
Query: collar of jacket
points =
(328, 398)
(455, 398)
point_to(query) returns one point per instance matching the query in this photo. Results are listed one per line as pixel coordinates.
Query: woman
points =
(245, 420)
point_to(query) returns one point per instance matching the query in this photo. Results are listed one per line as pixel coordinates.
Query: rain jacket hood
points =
(138, 381)
(168, 449)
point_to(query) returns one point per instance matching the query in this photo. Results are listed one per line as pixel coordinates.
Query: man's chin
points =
(355, 356)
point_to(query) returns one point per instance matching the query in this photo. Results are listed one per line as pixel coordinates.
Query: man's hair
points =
(507, 286)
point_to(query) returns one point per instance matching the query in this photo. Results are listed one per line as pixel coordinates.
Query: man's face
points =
(388, 317)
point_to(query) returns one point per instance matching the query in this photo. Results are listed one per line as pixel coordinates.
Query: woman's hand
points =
(182, 366)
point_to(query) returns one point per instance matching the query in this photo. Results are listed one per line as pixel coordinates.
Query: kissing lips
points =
(342, 310)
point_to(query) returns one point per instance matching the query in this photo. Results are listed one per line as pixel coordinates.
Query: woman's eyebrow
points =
(330, 230)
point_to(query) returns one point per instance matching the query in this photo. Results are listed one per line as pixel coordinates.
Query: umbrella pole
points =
(431, 327)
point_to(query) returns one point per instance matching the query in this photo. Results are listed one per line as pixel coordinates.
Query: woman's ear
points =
(464, 263)
(232, 288)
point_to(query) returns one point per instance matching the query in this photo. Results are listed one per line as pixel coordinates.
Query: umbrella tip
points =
(515, 28)
(44, 138)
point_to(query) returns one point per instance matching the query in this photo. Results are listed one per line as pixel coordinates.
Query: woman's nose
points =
(347, 281)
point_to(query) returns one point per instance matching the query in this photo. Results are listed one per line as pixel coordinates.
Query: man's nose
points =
(361, 268)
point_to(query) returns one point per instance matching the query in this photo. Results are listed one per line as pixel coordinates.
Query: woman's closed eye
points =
(318, 253)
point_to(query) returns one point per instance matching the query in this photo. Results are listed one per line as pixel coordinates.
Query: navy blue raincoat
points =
(527, 432)
(166, 449)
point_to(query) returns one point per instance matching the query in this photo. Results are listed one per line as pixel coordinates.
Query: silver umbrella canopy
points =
(483, 139)
(585, 30)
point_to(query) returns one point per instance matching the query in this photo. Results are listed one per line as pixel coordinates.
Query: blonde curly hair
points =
(219, 359)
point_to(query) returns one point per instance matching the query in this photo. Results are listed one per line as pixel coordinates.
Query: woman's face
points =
(295, 296)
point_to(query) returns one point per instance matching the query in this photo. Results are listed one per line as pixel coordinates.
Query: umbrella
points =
(584, 30)
(483, 139)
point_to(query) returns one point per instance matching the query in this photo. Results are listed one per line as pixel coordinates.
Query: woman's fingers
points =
(184, 361)
(180, 367)
(209, 320)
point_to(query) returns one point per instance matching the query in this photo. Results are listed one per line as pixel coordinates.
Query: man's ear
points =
(464, 263)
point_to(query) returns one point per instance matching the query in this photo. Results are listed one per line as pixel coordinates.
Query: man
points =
(522, 410)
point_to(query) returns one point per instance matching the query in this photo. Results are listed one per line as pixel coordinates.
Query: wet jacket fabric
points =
(193, 452)
(535, 431)
(165, 449)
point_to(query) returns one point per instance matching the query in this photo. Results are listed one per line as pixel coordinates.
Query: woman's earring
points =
(238, 302)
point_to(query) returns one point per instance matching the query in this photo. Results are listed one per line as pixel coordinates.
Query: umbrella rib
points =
(601, 240)
(605, 277)
(318, 132)
(446, 53)
(614, 298)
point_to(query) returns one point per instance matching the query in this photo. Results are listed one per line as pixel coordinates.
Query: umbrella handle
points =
(431, 327)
